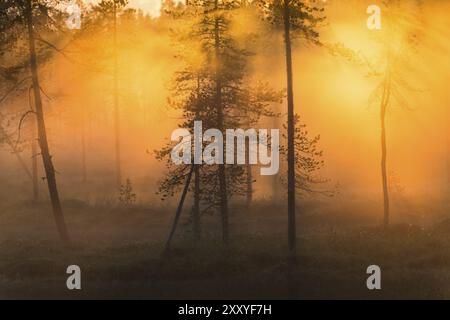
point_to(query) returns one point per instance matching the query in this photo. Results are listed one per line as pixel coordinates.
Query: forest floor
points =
(120, 254)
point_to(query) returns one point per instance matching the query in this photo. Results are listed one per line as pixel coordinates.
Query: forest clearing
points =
(120, 253)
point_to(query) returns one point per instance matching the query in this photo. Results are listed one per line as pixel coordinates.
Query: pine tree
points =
(301, 19)
(213, 89)
(27, 23)
(308, 161)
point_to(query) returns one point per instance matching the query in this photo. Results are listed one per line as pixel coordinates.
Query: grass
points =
(120, 254)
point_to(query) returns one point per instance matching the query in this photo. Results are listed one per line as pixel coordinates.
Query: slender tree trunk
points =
(290, 129)
(83, 156)
(249, 177)
(448, 141)
(179, 208)
(384, 176)
(34, 162)
(275, 178)
(249, 191)
(384, 170)
(220, 123)
(116, 101)
(83, 146)
(196, 209)
(196, 213)
(42, 134)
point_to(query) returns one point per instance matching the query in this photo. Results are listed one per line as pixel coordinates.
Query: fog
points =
(331, 96)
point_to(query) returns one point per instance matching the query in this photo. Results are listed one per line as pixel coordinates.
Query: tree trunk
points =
(179, 208)
(116, 101)
(249, 180)
(448, 144)
(384, 170)
(290, 129)
(249, 176)
(447, 122)
(34, 162)
(196, 212)
(42, 134)
(384, 176)
(220, 123)
(83, 146)
(275, 179)
(196, 209)
(249, 191)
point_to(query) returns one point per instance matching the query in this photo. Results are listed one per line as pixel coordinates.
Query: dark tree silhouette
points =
(214, 91)
(31, 21)
(294, 18)
(308, 162)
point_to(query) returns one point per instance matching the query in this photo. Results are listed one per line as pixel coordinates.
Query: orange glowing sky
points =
(152, 7)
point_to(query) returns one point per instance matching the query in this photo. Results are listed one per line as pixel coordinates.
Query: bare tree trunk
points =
(196, 209)
(249, 183)
(384, 170)
(179, 209)
(42, 134)
(249, 176)
(275, 178)
(196, 212)
(34, 162)
(384, 177)
(290, 129)
(448, 141)
(116, 102)
(83, 146)
(249, 191)
(220, 120)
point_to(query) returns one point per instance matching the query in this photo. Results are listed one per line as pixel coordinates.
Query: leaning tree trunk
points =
(42, 134)
(384, 177)
(34, 162)
(116, 101)
(220, 122)
(179, 208)
(290, 129)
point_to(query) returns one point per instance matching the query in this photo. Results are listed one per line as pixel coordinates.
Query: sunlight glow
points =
(150, 7)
